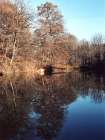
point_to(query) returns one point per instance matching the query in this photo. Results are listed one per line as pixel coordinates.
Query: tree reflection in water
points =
(34, 107)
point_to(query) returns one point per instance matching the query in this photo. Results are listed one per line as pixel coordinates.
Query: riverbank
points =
(31, 68)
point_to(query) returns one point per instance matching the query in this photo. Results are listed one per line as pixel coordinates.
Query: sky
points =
(82, 18)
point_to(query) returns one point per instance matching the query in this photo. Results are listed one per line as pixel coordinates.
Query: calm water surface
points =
(60, 107)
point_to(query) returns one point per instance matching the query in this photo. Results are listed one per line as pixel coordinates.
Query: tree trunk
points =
(14, 49)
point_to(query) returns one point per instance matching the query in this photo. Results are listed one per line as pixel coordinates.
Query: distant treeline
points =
(91, 55)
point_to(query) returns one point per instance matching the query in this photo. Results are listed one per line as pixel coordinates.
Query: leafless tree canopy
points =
(14, 28)
(50, 24)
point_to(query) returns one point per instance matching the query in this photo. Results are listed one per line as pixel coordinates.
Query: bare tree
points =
(14, 27)
(97, 44)
(50, 24)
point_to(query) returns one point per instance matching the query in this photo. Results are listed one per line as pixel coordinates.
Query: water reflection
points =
(34, 108)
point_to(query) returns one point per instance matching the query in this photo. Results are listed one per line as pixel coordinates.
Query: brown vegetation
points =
(92, 54)
(49, 44)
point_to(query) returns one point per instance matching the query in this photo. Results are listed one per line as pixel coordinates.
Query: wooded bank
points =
(29, 43)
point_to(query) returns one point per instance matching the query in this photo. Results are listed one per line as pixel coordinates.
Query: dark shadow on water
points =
(59, 73)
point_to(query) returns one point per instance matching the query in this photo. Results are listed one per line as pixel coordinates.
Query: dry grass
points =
(28, 69)
(18, 67)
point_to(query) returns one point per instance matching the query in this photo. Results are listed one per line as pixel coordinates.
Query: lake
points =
(65, 106)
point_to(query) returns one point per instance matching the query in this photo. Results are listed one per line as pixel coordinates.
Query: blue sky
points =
(83, 18)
